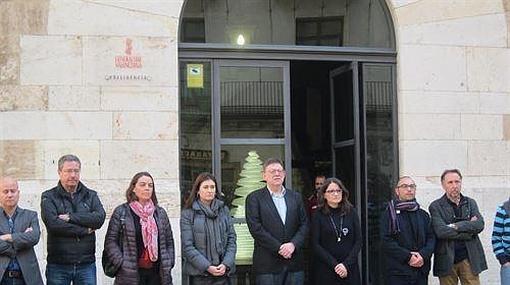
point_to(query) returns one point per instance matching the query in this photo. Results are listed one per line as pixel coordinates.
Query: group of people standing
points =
(139, 246)
(409, 235)
(139, 241)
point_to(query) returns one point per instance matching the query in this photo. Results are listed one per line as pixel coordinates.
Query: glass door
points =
(251, 123)
(345, 139)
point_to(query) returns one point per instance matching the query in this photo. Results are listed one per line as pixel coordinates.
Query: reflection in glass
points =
(345, 167)
(344, 111)
(251, 102)
(381, 164)
(360, 23)
(195, 125)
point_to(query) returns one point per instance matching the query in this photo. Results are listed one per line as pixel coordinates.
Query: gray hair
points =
(67, 157)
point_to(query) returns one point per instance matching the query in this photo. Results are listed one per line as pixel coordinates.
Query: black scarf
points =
(397, 205)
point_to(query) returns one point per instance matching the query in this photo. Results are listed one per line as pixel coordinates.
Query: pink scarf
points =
(149, 227)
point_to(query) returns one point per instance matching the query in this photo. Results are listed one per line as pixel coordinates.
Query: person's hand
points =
(214, 271)
(286, 250)
(453, 226)
(474, 218)
(507, 264)
(90, 230)
(64, 217)
(29, 229)
(6, 237)
(416, 260)
(222, 268)
(341, 270)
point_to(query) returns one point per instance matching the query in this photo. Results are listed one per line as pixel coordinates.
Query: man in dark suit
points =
(19, 233)
(278, 223)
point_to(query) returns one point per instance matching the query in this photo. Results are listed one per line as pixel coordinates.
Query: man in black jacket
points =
(71, 213)
(277, 221)
(407, 237)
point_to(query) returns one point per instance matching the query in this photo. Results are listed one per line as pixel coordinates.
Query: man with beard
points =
(407, 237)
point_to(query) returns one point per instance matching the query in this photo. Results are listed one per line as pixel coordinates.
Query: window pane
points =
(263, 22)
(195, 125)
(306, 28)
(251, 102)
(193, 30)
(381, 164)
(344, 111)
(345, 167)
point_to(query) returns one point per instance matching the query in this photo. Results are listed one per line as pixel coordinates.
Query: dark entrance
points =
(333, 117)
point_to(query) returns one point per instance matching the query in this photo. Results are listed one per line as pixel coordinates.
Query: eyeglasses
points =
(274, 171)
(338, 192)
(410, 186)
(69, 171)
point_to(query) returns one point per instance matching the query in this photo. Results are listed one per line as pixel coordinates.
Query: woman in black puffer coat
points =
(143, 251)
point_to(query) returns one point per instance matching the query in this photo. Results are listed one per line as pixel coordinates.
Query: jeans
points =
(505, 275)
(283, 278)
(460, 271)
(63, 274)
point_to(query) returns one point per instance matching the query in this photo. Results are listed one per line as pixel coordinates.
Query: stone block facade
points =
(100, 79)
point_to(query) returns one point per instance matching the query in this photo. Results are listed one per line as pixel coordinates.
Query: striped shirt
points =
(501, 235)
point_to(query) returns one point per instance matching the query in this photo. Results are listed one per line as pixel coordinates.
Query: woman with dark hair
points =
(336, 236)
(207, 235)
(139, 240)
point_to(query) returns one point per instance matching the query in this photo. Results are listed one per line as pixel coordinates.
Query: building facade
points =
(169, 87)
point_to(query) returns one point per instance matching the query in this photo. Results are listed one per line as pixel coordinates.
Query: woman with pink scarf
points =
(139, 239)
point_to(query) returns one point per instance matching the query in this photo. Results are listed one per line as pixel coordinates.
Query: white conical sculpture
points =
(251, 180)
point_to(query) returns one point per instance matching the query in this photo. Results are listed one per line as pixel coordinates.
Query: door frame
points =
(355, 141)
(216, 117)
(360, 56)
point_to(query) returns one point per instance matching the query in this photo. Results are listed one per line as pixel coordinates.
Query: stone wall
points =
(97, 79)
(454, 101)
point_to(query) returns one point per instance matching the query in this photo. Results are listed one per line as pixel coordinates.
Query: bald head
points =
(9, 192)
(405, 189)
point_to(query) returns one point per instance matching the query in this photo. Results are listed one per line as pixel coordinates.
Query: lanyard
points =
(338, 232)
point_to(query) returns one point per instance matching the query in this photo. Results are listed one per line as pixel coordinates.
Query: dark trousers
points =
(148, 276)
(406, 280)
(209, 280)
(283, 278)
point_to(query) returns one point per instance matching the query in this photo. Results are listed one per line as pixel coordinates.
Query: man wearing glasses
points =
(457, 222)
(277, 220)
(72, 213)
(407, 237)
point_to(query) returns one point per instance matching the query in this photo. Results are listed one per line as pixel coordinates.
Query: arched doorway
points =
(310, 82)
